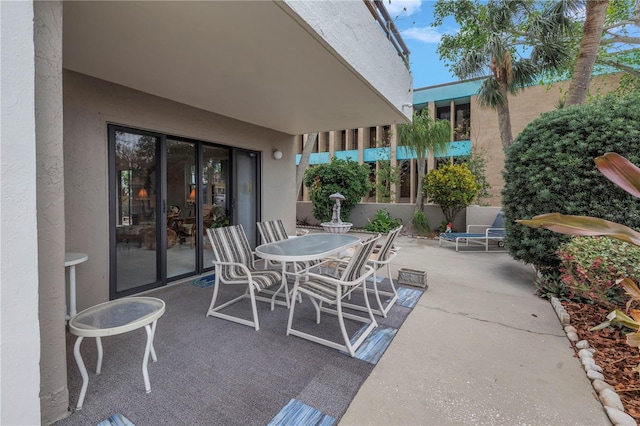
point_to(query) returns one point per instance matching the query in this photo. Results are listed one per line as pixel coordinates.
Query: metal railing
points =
(380, 14)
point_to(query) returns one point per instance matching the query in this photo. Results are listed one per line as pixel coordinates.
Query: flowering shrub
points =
(452, 186)
(590, 267)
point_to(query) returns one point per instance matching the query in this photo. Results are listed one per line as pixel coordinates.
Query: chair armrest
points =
(336, 281)
(476, 226)
(242, 266)
(502, 230)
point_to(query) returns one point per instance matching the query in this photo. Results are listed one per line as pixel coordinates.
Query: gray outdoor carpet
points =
(214, 372)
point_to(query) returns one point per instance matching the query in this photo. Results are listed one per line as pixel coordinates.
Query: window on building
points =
(462, 122)
(443, 113)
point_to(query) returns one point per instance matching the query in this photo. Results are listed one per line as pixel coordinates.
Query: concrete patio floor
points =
(479, 348)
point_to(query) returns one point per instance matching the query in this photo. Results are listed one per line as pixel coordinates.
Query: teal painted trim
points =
(347, 155)
(371, 155)
(442, 92)
(457, 149)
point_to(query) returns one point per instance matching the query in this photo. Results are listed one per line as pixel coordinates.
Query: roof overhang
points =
(283, 66)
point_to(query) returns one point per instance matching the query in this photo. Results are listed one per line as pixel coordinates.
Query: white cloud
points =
(424, 34)
(396, 7)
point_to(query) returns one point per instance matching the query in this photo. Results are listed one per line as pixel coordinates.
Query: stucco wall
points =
(89, 104)
(19, 326)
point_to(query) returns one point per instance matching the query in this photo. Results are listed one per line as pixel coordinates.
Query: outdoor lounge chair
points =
(494, 233)
(323, 287)
(234, 265)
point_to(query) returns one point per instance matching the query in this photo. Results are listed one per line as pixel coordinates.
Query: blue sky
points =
(414, 25)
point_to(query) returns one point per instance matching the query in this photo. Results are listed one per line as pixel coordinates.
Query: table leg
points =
(72, 291)
(99, 347)
(147, 350)
(83, 372)
(284, 286)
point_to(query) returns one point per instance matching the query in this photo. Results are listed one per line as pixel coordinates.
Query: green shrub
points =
(551, 285)
(452, 186)
(550, 168)
(590, 267)
(420, 223)
(382, 222)
(344, 176)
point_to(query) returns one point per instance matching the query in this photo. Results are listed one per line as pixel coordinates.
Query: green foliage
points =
(551, 285)
(420, 223)
(550, 168)
(382, 222)
(386, 176)
(477, 163)
(590, 267)
(452, 186)
(422, 135)
(344, 176)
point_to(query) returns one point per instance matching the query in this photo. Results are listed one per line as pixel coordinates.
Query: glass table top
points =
(307, 247)
(116, 316)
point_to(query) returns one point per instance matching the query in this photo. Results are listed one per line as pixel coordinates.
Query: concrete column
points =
(348, 143)
(54, 394)
(452, 121)
(379, 136)
(334, 138)
(364, 133)
(393, 162)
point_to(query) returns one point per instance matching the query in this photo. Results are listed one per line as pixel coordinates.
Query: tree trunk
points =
(504, 117)
(304, 160)
(421, 173)
(591, 36)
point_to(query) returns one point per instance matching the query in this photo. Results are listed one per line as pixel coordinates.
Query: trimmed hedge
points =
(550, 168)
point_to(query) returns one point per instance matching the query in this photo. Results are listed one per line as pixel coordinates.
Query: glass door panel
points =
(247, 191)
(136, 258)
(215, 202)
(181, 199)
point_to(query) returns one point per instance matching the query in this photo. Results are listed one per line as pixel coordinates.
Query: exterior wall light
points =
(277, 154)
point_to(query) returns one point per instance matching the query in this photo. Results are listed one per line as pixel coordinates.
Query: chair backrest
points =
(385, 250)
(230, 244)
(272, 230)
(355, 267)
(499, 220)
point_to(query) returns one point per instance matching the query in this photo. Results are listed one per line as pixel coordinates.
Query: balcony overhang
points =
(295, 67)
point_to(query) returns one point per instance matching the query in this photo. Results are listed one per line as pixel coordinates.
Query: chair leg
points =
(293, 305)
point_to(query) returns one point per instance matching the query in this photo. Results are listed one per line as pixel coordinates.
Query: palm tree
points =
(424, 136)
(492, 42)
(596, 11)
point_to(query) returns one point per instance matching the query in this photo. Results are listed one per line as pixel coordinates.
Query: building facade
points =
(472, 128)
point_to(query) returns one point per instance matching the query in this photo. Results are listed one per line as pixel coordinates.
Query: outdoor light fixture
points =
(277, 154)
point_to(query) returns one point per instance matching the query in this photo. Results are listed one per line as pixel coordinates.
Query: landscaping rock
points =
(599, 385)
(572, 336)
(594, 375)
(611, 399)
(619, 418)
(582, 344)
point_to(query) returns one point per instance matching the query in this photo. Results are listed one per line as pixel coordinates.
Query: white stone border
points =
(608, 397)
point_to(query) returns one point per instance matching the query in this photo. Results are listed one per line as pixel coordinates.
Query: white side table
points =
(70, 261)
(111, 318)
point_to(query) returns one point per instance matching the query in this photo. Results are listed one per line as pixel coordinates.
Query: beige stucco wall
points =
(19, 326)
(524, 108)
(89, 105)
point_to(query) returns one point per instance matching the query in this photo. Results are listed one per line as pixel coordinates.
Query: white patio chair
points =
(324, 288)
(234, 265)
(383, 255)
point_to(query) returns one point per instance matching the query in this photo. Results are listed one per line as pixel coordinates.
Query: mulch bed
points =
(618, 360)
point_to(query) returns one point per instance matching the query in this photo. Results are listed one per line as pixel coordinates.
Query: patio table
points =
(112, 318)
(304, 248)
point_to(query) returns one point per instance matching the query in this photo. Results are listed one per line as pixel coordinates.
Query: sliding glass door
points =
(165, 192)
